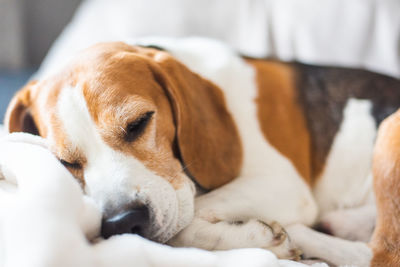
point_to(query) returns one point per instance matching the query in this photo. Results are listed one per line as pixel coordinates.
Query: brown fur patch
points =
(207, 137)
(120, 90)
(281, 117)
(120, 83)
(385, 242)
(19, 115)
(189, 111)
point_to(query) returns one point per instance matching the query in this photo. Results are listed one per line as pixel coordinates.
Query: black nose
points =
(134, 221)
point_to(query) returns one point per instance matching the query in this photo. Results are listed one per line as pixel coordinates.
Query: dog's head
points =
(134, 126)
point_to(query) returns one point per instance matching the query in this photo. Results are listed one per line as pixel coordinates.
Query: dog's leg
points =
(355, 224)
(223, 235)
(242, 214)
(332, 249)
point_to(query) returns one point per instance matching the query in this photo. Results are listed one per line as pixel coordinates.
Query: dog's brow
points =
(129, 110)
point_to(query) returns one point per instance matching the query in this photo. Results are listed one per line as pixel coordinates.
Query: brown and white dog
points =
(268, 144)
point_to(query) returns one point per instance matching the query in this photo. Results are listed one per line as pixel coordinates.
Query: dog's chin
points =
(174, 219)
(163, 236)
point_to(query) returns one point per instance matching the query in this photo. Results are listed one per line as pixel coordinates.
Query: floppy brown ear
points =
(18, 116)
(207, 136)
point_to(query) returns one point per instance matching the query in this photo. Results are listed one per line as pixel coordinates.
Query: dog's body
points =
(274, 142)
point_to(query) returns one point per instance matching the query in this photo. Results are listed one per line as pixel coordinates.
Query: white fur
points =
(334, 250)
(355, 224)
(112, 178)
(346, 180)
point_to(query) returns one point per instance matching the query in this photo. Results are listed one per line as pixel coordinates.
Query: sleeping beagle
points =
(271, 148)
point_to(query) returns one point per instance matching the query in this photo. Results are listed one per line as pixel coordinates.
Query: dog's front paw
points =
(212, 233)
(275, 238)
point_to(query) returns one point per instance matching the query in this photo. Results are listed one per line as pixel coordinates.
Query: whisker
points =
(189, 164)
(122, 128)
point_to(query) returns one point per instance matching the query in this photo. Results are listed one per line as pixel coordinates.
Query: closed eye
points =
(74, 165)
(137, 127)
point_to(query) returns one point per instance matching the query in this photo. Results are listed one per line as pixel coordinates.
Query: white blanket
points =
(45, 220)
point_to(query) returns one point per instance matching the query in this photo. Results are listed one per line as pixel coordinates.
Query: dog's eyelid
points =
(137, 127)
(72, 165)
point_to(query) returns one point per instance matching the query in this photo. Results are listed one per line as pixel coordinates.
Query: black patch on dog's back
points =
(324, 92)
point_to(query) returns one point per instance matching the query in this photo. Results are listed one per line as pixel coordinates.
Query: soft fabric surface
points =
(45, 220)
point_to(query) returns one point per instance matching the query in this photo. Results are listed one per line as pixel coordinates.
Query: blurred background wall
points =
(27, 30)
